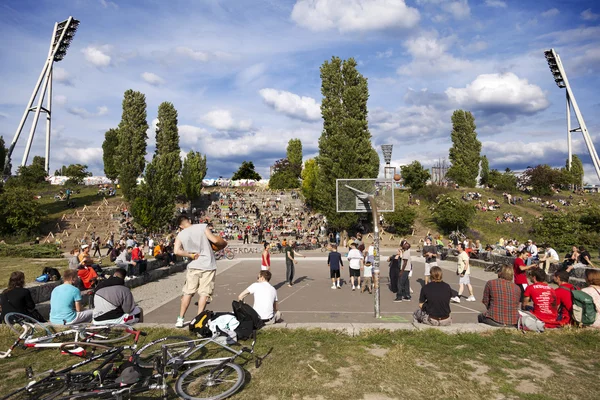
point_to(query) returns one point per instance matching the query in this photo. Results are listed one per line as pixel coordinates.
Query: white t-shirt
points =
(463, 260)
(533, 250)
(354, 257)
(150, 246)
(194, 240)
(406, 256)
(368, 271)
(265, 296)
(510, 248)
(551, 253)
(371, 250)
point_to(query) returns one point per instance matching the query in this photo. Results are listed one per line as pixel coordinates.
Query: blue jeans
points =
(403, 286)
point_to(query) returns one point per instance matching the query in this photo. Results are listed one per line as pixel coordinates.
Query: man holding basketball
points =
(198, 243)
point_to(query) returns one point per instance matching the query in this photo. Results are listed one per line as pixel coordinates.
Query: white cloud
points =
(60, 75)
(458, 9)
(430, 56)
(409, 124)
(550, 13)
(83, 113)
(495, 3)
(89, 156)
(385, 54)
(476, 46)
(500, 93)
(588, 15)
(193, 54)
(59, 100)
(295, 106)
(106, 4)
(354, 15)
(251, 74)
(97, 55)
(152, 78)
(223, 120)
(574, 35)
(190, 135)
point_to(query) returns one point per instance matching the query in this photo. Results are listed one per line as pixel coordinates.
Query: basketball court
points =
(311, 298)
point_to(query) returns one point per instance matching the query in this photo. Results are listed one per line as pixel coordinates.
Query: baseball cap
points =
(84, 246)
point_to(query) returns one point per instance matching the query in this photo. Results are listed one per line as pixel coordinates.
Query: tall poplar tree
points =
(131, 148)
(465, 150)
(167, 148)
(192, 173)
(109, 154)
(575, 174)
(484, 179)
(345, 149)
(310, 174)
(294, 156)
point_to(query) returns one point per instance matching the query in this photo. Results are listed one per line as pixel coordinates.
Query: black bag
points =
(199, 325)
(53, 274)
(245, 312)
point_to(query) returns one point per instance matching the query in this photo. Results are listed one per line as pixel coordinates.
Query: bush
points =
(560, 230)
(430, 193)
(401, 220)
(33, 251)
(451, 213)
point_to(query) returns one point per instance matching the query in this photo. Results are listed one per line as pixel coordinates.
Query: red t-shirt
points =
(520, 276)
(137, 254)
(545, 306)
(564, 301)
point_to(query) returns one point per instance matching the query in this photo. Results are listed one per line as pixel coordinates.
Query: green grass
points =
(31, 267)
(405, 364)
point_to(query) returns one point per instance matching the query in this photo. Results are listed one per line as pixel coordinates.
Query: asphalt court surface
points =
(311, 298)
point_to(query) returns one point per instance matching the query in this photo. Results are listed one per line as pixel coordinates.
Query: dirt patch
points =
(480, 374)
(319, 358)
(378, 351)
(319, 397)
(377, 396)
(540, 371)
(527, 387)
(345, 377)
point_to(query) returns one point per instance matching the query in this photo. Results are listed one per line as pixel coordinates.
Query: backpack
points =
(199, 324)
(584, 310)
(43, 278)
(53, 274)
(248, 318)
(529, 322)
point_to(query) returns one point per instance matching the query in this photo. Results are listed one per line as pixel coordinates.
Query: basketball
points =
(214, 246)
(397, 177)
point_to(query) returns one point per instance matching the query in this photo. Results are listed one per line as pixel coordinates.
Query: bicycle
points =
(495, 266)
(33, 334)
(224, 253)
(54, 384)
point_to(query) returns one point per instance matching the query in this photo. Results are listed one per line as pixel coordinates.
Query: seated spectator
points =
(15, 298)
(550, 256)
(545, 304)
(137, 256)
(434, 301)
(88, 276)
(74, 262)
(564, 297)
(520, 271)
(584, 257)
(571, 259)
(592, 278)
(114, 253)
(114, 303)
(124, 262)
(265, 298)
(65, 302)
(86, 260)
(501, 297)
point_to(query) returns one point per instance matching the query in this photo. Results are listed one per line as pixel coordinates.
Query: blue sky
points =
(244, 75)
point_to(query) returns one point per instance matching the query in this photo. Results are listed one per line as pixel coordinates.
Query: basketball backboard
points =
(352, 195)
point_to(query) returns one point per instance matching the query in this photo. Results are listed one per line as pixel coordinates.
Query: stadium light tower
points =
(62, 37)
(388, 171)
(560, 77)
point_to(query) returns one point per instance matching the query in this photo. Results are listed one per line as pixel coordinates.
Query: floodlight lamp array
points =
(63, 45)
(554, 68)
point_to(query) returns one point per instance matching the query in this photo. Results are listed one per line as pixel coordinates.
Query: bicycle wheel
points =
(145, 356)
(17, 323)
(46, 389)
(210, 380)
(105, 333)
(229, 254)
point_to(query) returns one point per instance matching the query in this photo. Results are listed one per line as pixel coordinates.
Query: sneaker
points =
(179, 323)
(339, 287)
(411, 290)
(455, 299)
(333, 287)
(471, 298)
(353, 288)
(406, 299)
(397, 300)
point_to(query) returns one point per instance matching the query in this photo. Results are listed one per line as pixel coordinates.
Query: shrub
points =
(451, 213)
(27, 251)
(430, 193)
(401, 220)
(560, 230)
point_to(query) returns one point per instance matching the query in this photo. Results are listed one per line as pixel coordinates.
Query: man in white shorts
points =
(430, 254)
(265, 298)
(194, 242)
(464, 272)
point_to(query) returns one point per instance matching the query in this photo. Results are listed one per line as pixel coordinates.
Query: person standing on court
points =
(355, 263)
(265, 258)
(395, 261)
(430, 253)
(290, 263)
(464, 272)
(194, 242)
(334, 262)
(404, 281)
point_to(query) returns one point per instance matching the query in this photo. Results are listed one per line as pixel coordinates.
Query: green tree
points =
(76, 173)
(464, 153)
(345, 148)
(575, 174)
(484, 179)
(3, 151)
(415, 176)
(541, 179)
(20, 213)
(192, 173)
(309, 181)
(131, 148)
(560, 230)
(401, 220)
(294, 156)
(149, 205)
(109, 152)
(246, 171)
(505, 182)
(284, 175)
(31, 175)
(451, 213)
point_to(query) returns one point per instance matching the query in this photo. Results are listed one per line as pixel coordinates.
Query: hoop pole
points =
(376, 271)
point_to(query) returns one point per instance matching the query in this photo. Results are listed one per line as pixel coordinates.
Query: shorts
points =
(428, 267)
(367, 282)
(355, 272)
(199, 281)
(464, 280)
(264, 268)
(334, 273)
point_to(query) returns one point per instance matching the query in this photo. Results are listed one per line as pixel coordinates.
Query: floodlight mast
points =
(62, 37)
(369, 201)
(560, 77)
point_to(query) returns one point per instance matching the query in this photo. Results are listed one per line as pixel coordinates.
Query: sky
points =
(244, 74)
